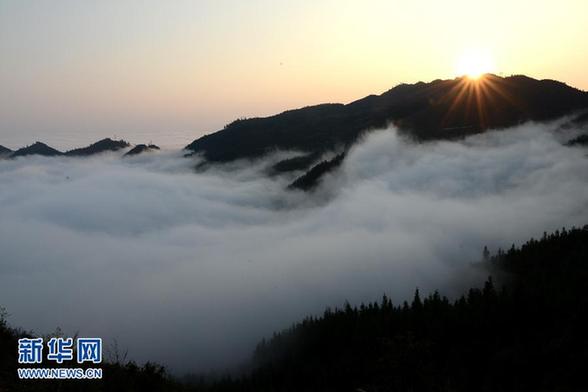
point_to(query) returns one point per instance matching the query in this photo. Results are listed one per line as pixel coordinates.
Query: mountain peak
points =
(141, 148)
(37, 148)
(4, 150)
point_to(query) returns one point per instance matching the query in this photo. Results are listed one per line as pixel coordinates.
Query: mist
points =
(192, 269)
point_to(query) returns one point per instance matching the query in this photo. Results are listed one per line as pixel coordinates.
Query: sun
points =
(474, 63)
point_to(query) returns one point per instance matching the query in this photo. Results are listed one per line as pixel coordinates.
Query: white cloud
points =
(192, 269)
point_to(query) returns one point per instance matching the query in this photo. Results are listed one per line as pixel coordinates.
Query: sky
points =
(170, 71)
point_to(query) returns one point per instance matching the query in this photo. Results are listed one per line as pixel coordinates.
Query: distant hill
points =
(96, 148)
(442, 109)
(310, 179)
(4, 151)
(141, 148)
(36, 149)
(99, 147)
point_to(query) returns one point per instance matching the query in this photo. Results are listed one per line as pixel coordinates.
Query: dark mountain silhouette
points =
(101, 146)
(141, 148)
(98, 147)
(310, 179)
(442, 109)
(581, 140)
(4, 151)
(36, 149)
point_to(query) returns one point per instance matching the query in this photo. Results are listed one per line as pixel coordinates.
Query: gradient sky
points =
(179, 69)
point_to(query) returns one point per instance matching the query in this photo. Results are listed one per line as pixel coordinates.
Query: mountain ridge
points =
(36, 148)
(106, 144)
(101, 146)
(441, 109)
(141, 148)
(437, 110)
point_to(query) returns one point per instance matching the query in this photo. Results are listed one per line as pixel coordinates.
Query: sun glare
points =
(474, 64)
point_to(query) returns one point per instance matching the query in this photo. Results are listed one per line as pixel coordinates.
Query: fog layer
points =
(190, 270)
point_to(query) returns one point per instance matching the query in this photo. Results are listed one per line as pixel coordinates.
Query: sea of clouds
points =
(192, 269)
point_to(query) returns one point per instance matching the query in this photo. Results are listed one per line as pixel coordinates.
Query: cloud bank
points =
(191, 270)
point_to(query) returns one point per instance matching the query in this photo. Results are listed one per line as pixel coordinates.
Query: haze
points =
(72, 72)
